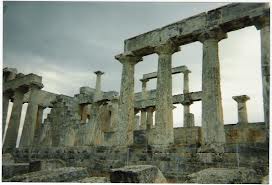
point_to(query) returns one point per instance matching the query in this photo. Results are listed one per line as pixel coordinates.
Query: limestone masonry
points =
(95, 136)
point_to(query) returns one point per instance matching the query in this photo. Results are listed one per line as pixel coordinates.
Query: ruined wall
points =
(235, 134)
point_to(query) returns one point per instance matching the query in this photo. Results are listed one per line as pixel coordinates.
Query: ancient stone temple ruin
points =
(96, 136)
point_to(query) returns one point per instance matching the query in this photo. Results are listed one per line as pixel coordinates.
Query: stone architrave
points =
(29, 127)
(213, 135)
(163, 133)
(263, 25)
(6, 98)
(242, 109)
(124, 134)
(14, 122)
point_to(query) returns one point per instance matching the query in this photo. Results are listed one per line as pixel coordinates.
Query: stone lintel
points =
(177, 99)
(231, 17)
(45, 98)
(26, 80)
(175, 70)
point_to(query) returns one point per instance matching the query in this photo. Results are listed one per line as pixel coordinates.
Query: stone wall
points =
(235, 134)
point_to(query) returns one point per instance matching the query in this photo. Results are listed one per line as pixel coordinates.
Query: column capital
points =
(215, 34)
(187, 71)
(98, 72)
(168, 48)
(128, 57)
(241, 98)
(262, 22)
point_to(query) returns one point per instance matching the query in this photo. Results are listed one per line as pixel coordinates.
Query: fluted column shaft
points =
(164, 133)
(212, 113)
(29, 127)
(14, 123)
(126, 100)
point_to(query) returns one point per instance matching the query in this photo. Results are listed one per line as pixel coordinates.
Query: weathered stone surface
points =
(11, 169)
(94, 180)
(224, 176)
(66, 174)
(137, 174)
(7, 158)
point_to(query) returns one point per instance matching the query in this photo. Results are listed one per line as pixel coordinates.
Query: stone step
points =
(66, 174)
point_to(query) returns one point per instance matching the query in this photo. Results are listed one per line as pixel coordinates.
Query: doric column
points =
(263, 24)
(126, 100)
(14, 123)
(143, 111)
(242, 109)
(164, 133)
(29, 127)
(149, 117)
(6, 97)
(213, 135)
(98, 92)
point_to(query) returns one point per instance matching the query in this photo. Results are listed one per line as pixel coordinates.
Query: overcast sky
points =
(65, 42)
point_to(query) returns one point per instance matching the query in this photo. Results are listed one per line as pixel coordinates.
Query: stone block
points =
(94, 180)
(11, 169)
(48, 164)
(137, 174)
(66, 174)
(139, 137)
(224, 176)
(7, 158)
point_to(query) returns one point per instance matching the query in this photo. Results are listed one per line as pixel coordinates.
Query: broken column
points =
(14, 123)
(163, 132)
(6, 97)
(242, 109)
(213, 135)
(143, 111)
(29, 127)
(98, 92)
(124, 135)
(263, 24)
